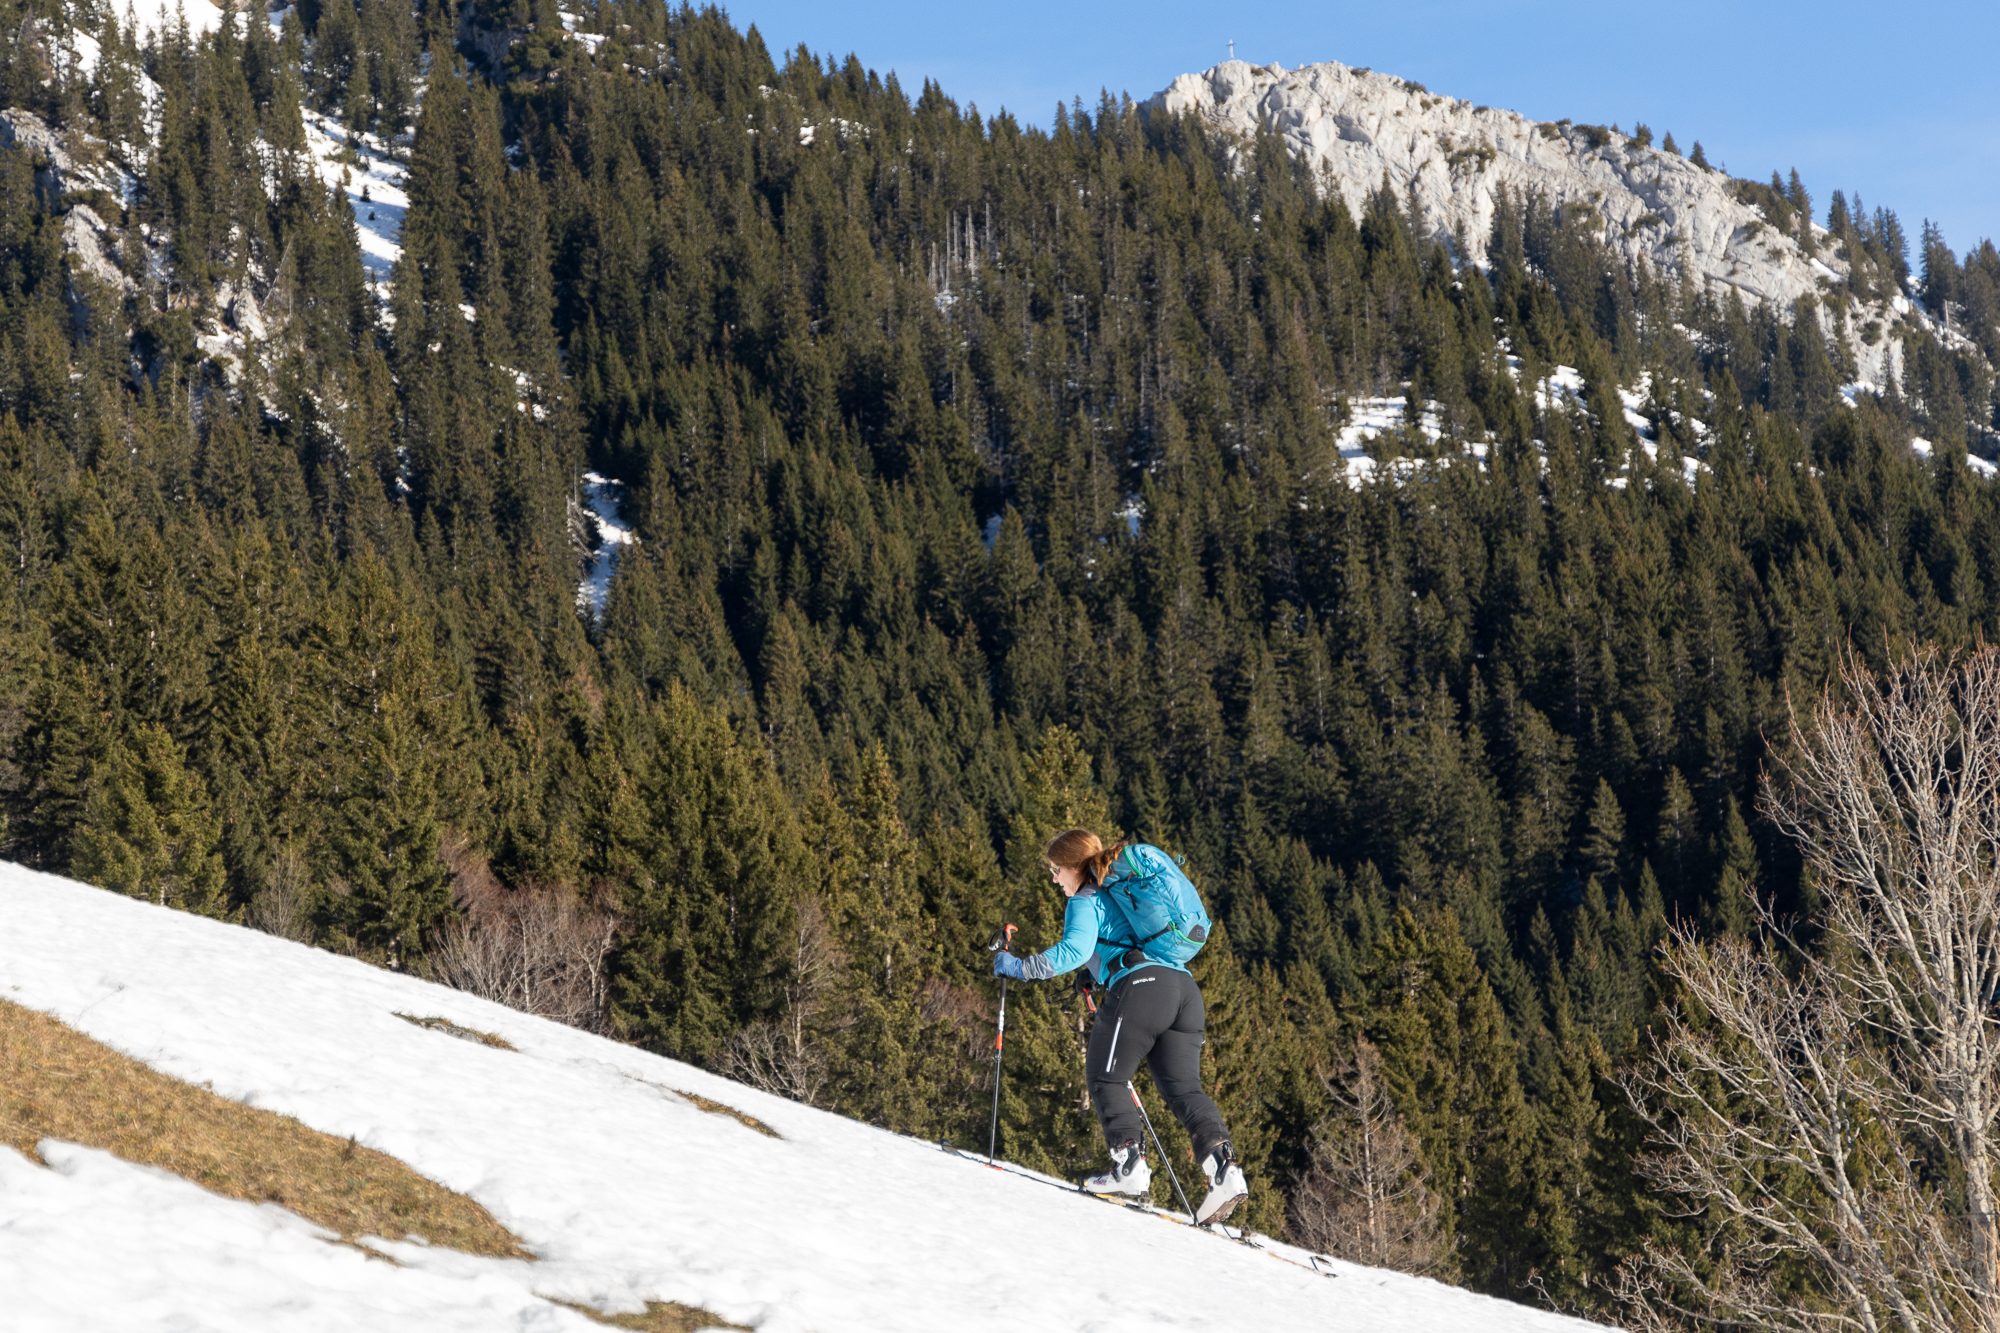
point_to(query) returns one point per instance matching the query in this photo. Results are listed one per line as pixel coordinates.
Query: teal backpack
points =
(1160, 903)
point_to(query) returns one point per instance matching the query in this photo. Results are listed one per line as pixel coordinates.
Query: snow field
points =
(1370, 418)
(85, 1245)
(583, 1148)
(159, 15)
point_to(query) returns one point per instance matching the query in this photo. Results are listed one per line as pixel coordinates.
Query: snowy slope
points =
(364, 169)
(624, 1190)
(1355, 126)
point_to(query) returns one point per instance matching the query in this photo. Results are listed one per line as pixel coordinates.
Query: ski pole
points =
(999, 945)
(1162, 1149)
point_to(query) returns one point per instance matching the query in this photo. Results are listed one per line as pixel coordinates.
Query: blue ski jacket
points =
(1093, 925)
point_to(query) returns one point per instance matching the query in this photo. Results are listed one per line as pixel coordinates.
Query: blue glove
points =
(1007, 965)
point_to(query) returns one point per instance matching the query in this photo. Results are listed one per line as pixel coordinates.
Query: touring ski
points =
(1216, 1229)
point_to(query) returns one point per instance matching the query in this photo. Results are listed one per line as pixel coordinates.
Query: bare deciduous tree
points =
(784, 1055)
(1829, 1113)
(1366, 1198)
(537, 950)
(279, 907)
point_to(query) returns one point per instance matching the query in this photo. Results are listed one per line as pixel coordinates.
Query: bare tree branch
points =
(1365, 1197)
(1828, 1114)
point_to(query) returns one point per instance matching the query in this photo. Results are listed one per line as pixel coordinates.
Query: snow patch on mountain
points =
(365, 170)
(1372, 423)
(159, 16)
(1368, 420)
(1452, 158)
(603, 533)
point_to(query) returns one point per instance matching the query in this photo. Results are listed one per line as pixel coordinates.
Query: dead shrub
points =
(283, 906)
(536, 949)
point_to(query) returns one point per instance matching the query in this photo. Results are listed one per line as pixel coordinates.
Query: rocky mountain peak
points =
(1454, 160)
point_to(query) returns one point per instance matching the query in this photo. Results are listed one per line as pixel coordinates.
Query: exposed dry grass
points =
(57, 1083)
(713, 1107)
(451, 1029)
(660, 1317)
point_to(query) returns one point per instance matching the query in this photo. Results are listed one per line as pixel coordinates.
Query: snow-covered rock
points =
(1355, 126)
(85, 236)
(624, 1189)
(28, 132)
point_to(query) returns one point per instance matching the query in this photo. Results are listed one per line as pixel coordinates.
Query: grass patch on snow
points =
(56, 1083)
(713, 1107)
(451, 1029)
(660, 1317)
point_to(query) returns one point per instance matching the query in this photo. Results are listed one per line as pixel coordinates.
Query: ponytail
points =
(1083, 850)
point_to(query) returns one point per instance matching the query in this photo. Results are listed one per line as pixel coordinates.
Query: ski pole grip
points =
(1003, 941)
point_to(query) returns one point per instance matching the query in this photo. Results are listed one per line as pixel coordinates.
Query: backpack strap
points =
(1128, 956)
(1142, 943)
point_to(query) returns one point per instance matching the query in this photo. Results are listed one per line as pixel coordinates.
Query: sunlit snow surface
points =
(159, 16)
(373, 183)
(1368, 419)
(1979, 467)
(601, 497)
(624, 1190)
(378, 217)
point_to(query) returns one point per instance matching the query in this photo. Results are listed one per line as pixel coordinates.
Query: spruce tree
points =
(147, 830)
(715, 856)
(1046, 1118)
(1729, 909)
(1452, 1071)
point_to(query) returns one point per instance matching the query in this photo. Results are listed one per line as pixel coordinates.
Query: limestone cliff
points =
(1454, 159)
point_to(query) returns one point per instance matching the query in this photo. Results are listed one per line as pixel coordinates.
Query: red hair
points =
(1083, 849)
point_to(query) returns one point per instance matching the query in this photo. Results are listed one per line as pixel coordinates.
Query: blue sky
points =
(1900, 102)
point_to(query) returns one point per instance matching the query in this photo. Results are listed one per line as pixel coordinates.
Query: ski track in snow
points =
(626, 1191)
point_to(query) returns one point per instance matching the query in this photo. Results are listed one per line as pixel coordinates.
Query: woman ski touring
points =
(1134, 920)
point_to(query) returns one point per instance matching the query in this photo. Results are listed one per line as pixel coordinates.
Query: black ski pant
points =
(1155, 1015)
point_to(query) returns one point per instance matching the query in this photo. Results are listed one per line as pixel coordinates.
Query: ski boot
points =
(1226, 1187)
(1129, 1177)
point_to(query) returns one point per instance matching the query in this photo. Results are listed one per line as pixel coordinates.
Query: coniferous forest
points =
(984, 482)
